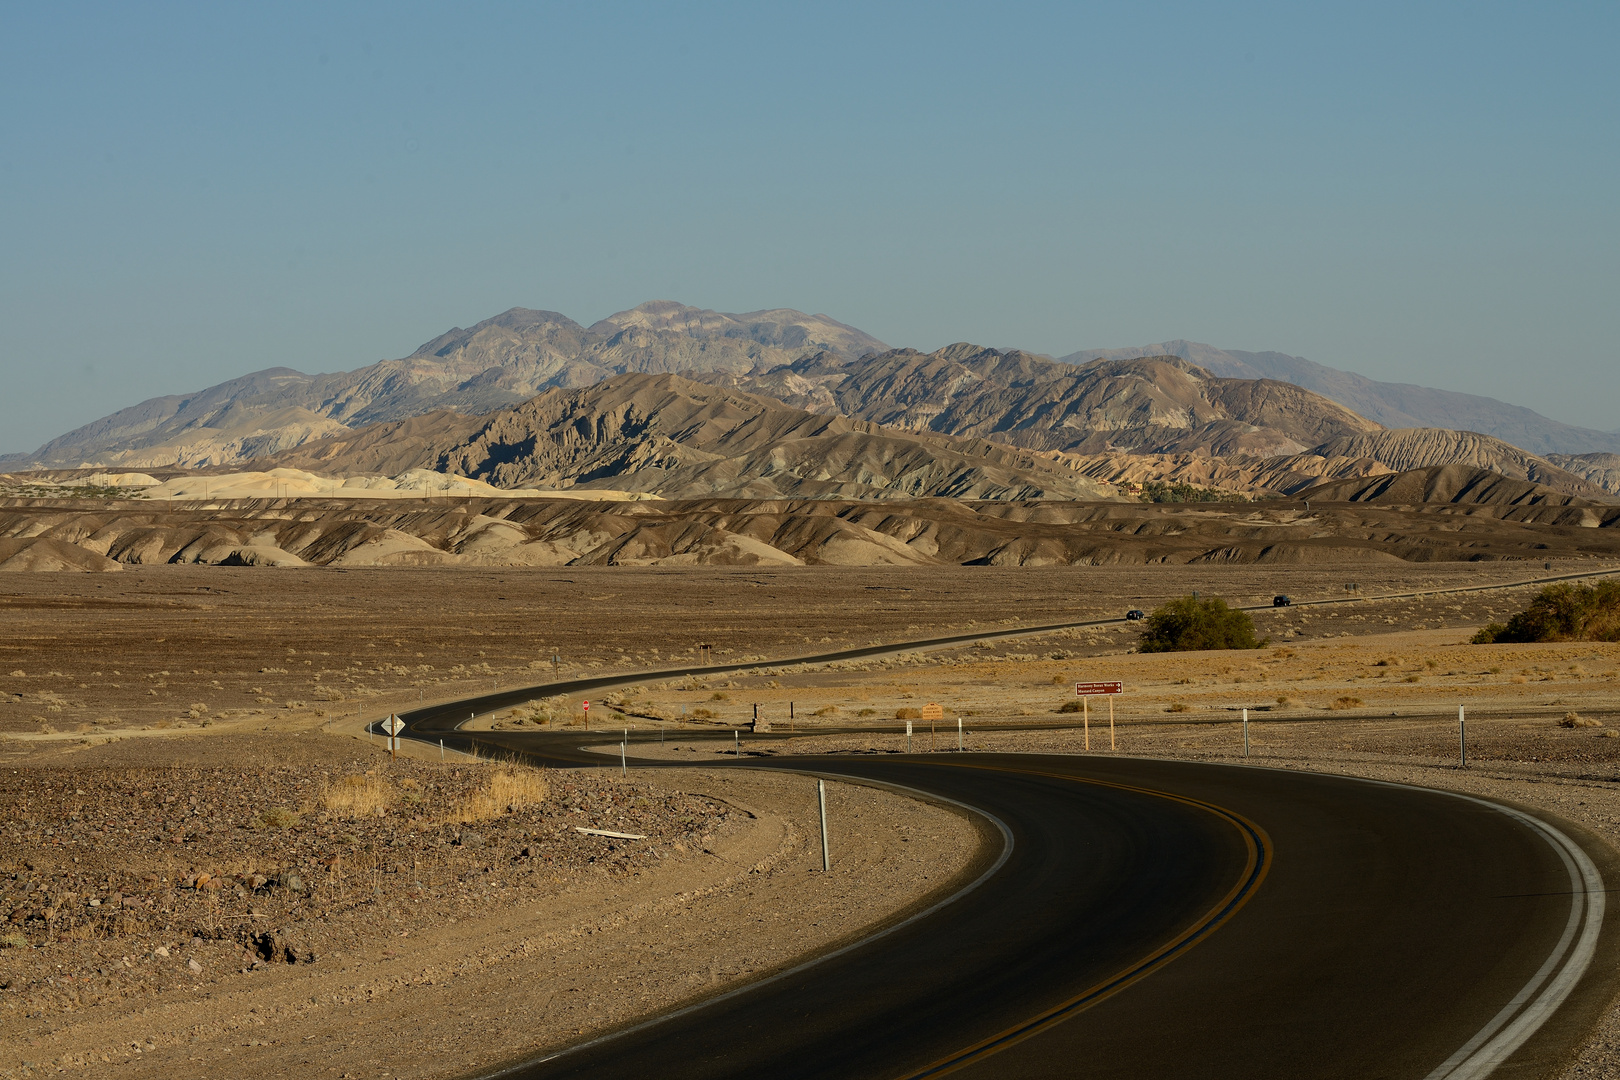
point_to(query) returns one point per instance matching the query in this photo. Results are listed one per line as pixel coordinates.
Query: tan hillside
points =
(667, 435)
(500, 361)
(1152, 405)
(88, 534)
(1443, 483)
(1600, 470)
(1404, 449)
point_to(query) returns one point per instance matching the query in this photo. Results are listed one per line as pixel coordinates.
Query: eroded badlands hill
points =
(667, 435)
(497, 362)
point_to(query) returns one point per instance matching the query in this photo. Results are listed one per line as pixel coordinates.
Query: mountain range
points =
(1394, 405)
(998, 423)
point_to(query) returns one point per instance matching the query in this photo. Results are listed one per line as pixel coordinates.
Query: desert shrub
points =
(908, 714)
(507, 790)
(1194, 623)
(1070, 706)
(1345, 702)
(357, 797)
(13, 939)
(1176, 706)
(702, 714)
(1158, 491)
(1562, 612)
(1575, 719)
(276, 817)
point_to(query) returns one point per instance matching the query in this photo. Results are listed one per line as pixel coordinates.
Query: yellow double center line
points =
(1259, 849)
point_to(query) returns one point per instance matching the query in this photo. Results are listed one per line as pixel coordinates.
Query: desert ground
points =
(169, 723)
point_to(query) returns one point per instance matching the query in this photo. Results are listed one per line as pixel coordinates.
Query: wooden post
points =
(1085, 712)
(1111, 744)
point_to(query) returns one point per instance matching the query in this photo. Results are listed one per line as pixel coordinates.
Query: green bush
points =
(1194, 623)
(1157, 491)
(1562, 612)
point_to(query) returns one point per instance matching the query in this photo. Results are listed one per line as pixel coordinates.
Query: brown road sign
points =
(932, 711)
(1095, 689)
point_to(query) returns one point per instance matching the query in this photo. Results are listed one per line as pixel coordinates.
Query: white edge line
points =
(1006, 853)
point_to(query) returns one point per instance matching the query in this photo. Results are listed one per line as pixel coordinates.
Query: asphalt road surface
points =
(1144, 918)
(1147, 918)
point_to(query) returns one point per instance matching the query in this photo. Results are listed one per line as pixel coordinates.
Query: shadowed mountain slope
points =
(1394, 405)
(1157, 404)
(500, 361)
(1443, 484)
(1423, 448)
(671, 436)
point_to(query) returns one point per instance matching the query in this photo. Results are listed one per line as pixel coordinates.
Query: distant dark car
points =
(1135, 613)
(1281, 601)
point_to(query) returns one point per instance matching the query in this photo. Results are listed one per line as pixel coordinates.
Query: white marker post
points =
(1462, 738)
(958, 734)
(737, 739)
(821, 797)
(1245, 732)
(908, 736)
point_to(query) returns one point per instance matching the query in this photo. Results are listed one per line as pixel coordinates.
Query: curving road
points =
(1141, 918)
(1145, 918)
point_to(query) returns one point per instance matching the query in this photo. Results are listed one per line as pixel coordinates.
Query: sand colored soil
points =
(331, 943)
(188, 649)
(134, 670)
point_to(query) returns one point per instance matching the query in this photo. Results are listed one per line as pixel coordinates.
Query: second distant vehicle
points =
(1135, 613)
(1281, 601)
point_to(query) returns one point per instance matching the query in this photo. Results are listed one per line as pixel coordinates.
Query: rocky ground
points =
(195, 877)
(172, 916)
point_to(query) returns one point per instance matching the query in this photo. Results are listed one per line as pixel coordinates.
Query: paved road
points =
(1140, 918)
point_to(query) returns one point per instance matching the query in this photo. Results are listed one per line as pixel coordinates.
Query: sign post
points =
(586, 706)
(933, 713)
(1085, 692)
(393, 725)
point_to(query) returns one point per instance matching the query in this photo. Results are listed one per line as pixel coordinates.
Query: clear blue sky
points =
(1420, 192)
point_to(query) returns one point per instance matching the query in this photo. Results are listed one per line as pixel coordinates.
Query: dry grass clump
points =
(908, 714)
(358, 796)
(703, 714)
(276, 817)
(13, 939)
(828, 710)
(1176, 706)
(1346, 702)
(1288, 702)
(508, 789)
(1070, 706)
(1575, 720)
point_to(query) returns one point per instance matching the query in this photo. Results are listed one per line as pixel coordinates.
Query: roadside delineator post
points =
(958, 734)
(1462, 738)
(821, 797)
(1245, 732)
(908, 736)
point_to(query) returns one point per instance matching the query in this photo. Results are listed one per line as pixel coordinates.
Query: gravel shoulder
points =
(516, 927)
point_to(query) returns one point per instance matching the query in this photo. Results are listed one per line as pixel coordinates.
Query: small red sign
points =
(585, 705)
(1094, 689)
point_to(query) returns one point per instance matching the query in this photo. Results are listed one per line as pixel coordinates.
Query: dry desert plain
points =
(168, 723)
